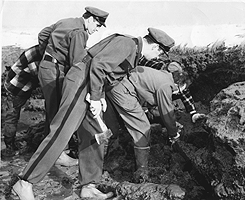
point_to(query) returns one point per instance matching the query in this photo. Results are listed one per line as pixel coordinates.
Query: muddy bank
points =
(207, 163)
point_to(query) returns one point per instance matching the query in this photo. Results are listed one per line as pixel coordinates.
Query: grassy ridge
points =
(212, 68)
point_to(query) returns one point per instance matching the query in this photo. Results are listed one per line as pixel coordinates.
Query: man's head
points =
(94, 19)
(156, 42)
(178, 74)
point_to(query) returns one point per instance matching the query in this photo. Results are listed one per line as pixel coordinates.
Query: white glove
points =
(197, 116)
(95, 108)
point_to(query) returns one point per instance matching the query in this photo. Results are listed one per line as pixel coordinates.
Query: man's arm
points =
(78, 40)
(22, 76)
(166, 109)
(155, 64)
(187, 100)
(43, 37)
(107, 62)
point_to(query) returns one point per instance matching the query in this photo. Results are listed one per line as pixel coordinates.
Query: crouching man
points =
(156, 87)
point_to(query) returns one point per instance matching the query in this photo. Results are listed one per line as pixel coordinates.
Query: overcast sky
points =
(125, 16)
(37, 14)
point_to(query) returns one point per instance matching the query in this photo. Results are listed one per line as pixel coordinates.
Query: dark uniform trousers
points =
(70, 117)
(51, 77)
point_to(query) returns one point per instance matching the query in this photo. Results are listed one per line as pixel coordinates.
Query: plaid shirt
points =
(154, 63)
(185, 95)
(22, 76)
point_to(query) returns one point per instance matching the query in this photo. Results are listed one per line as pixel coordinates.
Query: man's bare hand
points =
(197, 116)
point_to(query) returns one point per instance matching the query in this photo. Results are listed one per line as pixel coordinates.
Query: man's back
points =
(58, 38)
(148, 81)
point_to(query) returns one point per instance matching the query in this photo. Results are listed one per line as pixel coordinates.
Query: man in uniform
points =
(156, 87)
(183, 94)
(63, 75)
(110, 72)
(64, 46)
(19, 83)
(112, 60)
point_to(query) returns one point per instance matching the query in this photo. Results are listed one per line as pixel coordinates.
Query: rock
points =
(175, 192)
(150, 191)
(219, 153)
(227, 117)
(227, 125)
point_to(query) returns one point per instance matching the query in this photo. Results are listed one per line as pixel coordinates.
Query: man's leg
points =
(114, 122)
(51, 80)
(68, 118)
(124, 98)
(48, 79)
(91, 154)
(91, 158)
(112, 118)
(11, 122)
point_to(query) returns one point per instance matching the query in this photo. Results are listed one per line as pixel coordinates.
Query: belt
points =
(86, 59)
(49, 58)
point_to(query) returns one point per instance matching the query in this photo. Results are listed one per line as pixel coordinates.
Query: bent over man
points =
(110, 72)
(20, 81)
(64, 46)
(63, 76)
(156, 87)
(184, 94)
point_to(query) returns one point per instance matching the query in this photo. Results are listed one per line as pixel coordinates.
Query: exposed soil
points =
(167, 166)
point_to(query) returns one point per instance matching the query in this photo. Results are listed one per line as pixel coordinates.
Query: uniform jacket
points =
(65, 41)
(148, 81)
(184, 95)
(22, 76)
(156, 88)
(112, 62)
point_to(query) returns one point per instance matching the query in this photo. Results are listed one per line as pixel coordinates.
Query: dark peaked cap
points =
(160, 37)
(98, 14)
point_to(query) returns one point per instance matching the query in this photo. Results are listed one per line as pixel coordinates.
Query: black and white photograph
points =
(122, 100)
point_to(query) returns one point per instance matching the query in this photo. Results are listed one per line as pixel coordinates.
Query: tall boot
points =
(141, 174)
(11, 148)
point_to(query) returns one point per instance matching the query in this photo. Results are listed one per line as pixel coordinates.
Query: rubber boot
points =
(24, 190)
(10, 149)
(90, 191)
(65, 160)
(141, 174)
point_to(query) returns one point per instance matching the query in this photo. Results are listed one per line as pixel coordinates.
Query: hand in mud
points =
(175, 138)
(197, 116)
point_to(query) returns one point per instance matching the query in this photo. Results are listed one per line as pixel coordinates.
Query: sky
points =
(131, 17)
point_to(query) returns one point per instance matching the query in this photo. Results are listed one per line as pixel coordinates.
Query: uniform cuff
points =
(193, 112)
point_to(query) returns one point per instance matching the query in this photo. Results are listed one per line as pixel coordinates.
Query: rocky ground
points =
(169, 170)
(174, 175)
